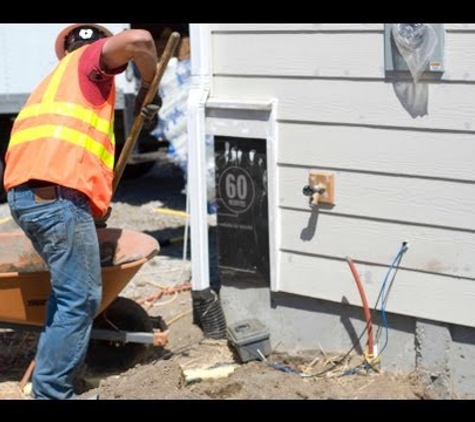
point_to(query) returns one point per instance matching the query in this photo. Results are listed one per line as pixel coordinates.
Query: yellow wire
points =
(374, 362)
(4, 220)
(171, 212)
(176, 318)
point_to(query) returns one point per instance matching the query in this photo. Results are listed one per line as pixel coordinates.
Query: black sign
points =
(242, 214)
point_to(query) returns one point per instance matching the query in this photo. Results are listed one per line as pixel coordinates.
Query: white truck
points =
(27, 55)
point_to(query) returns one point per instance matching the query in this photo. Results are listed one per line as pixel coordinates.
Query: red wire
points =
(366, 310)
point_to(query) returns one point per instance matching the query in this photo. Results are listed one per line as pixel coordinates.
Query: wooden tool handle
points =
(170, 48)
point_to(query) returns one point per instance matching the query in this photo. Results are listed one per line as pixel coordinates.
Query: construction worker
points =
(58, 178)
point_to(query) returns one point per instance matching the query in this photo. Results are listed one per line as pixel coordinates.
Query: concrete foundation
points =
(461, 358)
(433, 344)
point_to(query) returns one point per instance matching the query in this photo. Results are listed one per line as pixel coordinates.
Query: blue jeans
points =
(62, 231)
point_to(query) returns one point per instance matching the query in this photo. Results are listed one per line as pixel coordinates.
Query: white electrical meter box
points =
(414, 51)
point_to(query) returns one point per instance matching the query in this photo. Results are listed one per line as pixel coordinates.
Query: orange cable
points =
(366, 310)
(165, 291)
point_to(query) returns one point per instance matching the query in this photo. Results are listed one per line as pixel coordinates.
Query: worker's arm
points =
(135, 44)
(139, 46)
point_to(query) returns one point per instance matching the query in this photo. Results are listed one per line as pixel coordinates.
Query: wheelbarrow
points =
(122, 330)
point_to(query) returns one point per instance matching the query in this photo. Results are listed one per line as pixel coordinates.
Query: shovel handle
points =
(170, 48)
(27, 375)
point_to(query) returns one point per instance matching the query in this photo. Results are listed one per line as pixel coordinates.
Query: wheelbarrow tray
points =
(25, 279)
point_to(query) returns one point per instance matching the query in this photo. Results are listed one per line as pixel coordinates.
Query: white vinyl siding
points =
(397, 177)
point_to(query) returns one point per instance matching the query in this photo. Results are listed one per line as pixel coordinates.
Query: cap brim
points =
(59, 44)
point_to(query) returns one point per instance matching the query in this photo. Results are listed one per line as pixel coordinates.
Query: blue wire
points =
(383, 286)
(395, 261)
(283, 368)
(355, 370)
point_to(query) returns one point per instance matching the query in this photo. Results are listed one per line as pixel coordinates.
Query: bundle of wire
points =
(384, 293)
(383, 298)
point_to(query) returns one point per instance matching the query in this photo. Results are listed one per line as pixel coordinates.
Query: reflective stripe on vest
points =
(27, 133)
(68, 109)
(65, 134)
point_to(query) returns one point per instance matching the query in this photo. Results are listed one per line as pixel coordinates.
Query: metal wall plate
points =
(395, 65)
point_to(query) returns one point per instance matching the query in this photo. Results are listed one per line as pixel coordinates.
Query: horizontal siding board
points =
(459, 56)
(418, 153)
(312, 55)
(434, 250)
(450, 27)
(428, 296)
(410, 200)
(450, 107)
(454, 27)
(297, 27)
(323, 55)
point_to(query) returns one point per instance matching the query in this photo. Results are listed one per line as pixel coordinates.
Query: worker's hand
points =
(150, 111)
(100, 222)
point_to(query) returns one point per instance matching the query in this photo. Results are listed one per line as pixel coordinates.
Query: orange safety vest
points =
(61, 138)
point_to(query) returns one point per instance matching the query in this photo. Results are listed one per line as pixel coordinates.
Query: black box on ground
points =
(249, 337)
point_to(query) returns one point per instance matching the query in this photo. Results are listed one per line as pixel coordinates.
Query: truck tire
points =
(135, 171)
(3, 194)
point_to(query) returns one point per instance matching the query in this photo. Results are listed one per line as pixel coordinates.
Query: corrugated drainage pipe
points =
(208, 313)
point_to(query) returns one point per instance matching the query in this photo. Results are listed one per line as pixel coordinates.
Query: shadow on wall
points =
(461, 334)
(308, 232)
(346, 312)
(356, 339)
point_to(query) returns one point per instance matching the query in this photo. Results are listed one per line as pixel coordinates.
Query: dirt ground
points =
(191, 366)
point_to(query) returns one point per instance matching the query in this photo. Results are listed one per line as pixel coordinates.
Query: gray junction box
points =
(395, 64)
(249, 337)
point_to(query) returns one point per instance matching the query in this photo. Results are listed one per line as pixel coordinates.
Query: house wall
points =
(398, 178)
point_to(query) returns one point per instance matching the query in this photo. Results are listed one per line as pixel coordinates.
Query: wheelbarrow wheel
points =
(126, 315)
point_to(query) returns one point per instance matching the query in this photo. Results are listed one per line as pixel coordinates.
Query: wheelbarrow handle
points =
(170, 48)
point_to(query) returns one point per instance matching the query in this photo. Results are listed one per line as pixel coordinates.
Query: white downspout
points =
(196, 180)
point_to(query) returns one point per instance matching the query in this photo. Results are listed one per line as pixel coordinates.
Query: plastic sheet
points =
(416, 43)
(172, 126)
